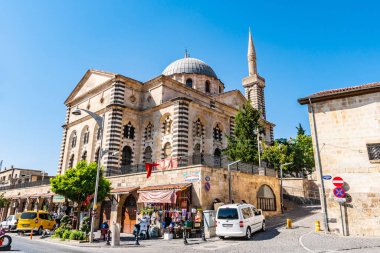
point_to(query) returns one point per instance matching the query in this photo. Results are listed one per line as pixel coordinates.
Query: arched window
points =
(217, 152)
(167, 150)
(207, 86)
(84, 156)
(86, 136)
(167, 125)
(220, 89)
(71, 161)
(97, 154)
(189, 83)
(149, 131)
(148, 154)
(74, 140)
(198, 128)
(126, 158)
(217, 133)
(266, 199)
(98, 133)
(129, 131)
(197, 149)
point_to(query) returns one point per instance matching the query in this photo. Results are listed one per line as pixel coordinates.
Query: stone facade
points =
(347, 120)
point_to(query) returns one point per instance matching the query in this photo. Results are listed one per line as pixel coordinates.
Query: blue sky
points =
(46, 46)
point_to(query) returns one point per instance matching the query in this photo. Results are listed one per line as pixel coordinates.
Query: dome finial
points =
(187, 55)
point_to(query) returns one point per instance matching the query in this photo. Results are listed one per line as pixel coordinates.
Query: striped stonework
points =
(180, 144)
(255, 94)
(114, 129)
(63, 145)
(232, 126)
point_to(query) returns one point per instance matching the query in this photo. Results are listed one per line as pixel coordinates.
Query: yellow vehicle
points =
(36, 221)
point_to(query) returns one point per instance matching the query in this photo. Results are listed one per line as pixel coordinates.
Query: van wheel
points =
(221, 237)
(263, 227)
(248, 234)
(39, 232)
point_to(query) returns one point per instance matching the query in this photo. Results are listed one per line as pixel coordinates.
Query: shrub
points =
(59, 232)
(85, 224)
(77, 235)
(66, 234)
(66, 222)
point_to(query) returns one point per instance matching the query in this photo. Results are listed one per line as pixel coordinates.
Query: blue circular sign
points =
(207, 178)
(207, 186)
(339, 192)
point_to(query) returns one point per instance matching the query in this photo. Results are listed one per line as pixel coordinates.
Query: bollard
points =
(108, 237)
(317, 226)
(184, 237)
(288, 223)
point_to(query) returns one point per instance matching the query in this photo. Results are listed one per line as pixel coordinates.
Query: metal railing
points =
(46, 181)
(206, 160)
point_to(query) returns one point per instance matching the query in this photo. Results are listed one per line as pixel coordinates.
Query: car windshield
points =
(28, 215)
(228, 214)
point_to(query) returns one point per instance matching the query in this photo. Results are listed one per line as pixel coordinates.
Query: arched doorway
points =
(266, 200)
(128, 212)
(105, 212)
(217, 157)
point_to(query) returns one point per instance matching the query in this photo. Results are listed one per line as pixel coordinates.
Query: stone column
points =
(113, 129)
(63, 145)
(180, 144)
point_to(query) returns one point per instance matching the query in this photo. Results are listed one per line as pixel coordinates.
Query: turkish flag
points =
(149, 168)
(87, 200)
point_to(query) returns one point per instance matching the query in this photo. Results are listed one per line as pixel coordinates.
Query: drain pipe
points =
(324, 205)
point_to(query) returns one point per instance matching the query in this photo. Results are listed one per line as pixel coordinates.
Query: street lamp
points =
(100, 121)
(282, 193)
(229, 181)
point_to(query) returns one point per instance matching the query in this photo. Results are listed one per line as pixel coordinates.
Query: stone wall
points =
(344, 127)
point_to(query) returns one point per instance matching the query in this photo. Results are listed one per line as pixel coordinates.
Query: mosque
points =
(183, 112)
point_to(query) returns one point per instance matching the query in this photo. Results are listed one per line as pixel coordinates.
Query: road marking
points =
(301, 243)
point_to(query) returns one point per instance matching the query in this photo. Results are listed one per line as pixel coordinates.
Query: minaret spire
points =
(252, 69)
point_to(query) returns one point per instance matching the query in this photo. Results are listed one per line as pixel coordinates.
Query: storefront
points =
(168, 209)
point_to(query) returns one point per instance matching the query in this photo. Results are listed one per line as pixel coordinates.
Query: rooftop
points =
(341, 93)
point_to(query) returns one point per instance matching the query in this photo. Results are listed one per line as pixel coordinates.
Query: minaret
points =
(252, 69)
(254, 84)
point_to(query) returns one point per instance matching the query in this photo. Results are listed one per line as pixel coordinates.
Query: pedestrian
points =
(104, 229)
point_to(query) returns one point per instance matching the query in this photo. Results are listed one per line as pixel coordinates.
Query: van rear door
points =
(228, 219)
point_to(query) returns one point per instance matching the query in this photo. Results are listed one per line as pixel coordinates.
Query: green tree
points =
(298, 151)
(78, 183)
(276, 154)
(243, 144)
(3, 200)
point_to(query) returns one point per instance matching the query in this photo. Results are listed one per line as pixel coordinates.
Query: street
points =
(277, 238)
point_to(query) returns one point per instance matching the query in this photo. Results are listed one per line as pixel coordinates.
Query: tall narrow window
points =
(189, 83)
(86, 137)
(98, 133)
(148, 154)
(167, 150)
(167, 125)
(84, 156)
(129, 131)
(207, 86)
(220, 89)
(127, 156)
(149, 131)
(74, 140)
(217, 133)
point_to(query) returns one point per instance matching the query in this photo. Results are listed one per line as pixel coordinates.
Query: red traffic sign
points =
(338, 181)
(339, 192)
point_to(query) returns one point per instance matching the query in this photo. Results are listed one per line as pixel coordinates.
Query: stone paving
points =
(277, 238)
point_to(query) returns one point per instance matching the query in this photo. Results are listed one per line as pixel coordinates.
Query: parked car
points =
(36, 221)
(10, 223)
(238, 220)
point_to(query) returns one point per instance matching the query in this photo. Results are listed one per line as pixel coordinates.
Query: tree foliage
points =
(243, 144)
(3, 200)
(297, 151)
(79, 182)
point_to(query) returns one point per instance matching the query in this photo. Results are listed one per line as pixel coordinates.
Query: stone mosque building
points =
(185, 111)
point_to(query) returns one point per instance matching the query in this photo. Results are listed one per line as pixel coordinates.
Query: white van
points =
(238, 220)
(10, 223)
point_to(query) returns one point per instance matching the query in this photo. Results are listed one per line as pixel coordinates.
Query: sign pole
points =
(341, 217)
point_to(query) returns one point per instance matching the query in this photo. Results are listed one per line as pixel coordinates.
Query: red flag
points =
(88, 199)
(149, 168)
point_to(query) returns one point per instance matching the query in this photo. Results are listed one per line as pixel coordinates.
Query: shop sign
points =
(58, 199)
(192, 177)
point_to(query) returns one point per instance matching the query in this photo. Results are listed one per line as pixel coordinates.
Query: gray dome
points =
(190, 66)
